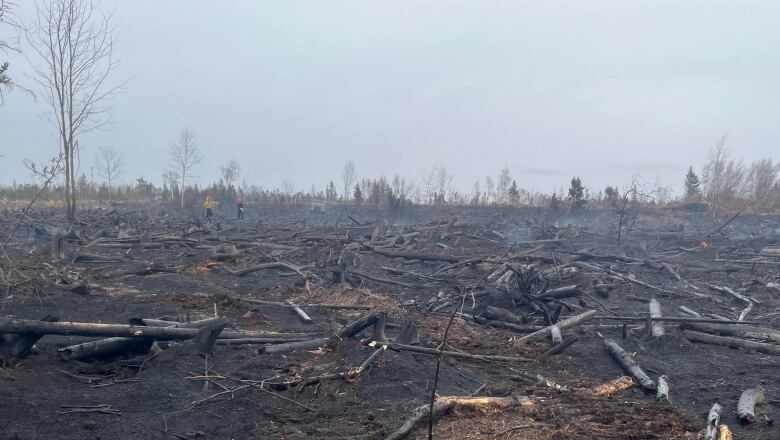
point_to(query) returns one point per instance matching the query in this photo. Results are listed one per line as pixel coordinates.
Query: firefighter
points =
(208, 205)
(240, 207)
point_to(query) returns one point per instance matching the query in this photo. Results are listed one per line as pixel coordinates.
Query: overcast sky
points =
(292, 89)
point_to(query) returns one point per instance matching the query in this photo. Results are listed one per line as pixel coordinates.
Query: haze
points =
(604, 90)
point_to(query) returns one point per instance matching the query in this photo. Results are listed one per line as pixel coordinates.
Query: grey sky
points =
(292, 89)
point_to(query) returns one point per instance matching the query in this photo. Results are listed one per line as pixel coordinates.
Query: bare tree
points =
(760, 184)
(348, 178)
(628, 206)
(184, 157)
(428, 179)
(489, 189)
(476, 196)
(230, 172)
(722, 177)
(171, 178)
(443, 182)
(288, 188)
(401, 188)
(502, 185)
(109, 165)
(75, 44)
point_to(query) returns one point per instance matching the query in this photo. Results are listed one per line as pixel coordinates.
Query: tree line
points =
(73, 43)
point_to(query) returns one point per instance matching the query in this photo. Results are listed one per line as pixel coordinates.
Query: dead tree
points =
(230, 173)
(348, 178)
(184, 156)
(109, 165)
(75, 45)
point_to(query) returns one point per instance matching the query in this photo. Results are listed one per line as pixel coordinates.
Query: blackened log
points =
(742, 331)
(499, 314)
(731, 342)
(562, 292)
(103, 347)
(629, 365)
(413, 256)
(17, 345)
(23, 326)
(457, 354)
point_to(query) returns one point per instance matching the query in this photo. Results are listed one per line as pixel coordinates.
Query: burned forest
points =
(367, 220)
(292, 323)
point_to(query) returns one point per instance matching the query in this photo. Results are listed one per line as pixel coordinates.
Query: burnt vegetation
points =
(371, 307)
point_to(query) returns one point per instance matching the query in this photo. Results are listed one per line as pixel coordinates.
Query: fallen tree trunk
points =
(555, 333)
(614, 386)
(673, 319)
(17, 345)
(713, 420)
(264, 266)
(731, 342)
(663, 389)
(730, 291)
(742, 331)
(656, 327)
(102, 347)
(688, 311)
(445, 404)
(413, 256)
(561, 292)
(629, 365)
(247, 341)
(381, 280)
(566, 323)
(522, 328)
(226, 334)
(299, 311)
(557, 348)
(22, 326)
(261, 302)
(347, 331)
(499, 314)
(292, 346)
(746, 407)
(142, 271)
(538, 379)
(457, 354)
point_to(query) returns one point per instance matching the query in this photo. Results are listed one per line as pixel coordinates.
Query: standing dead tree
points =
(75, 44)
(722, 177)
(348, 178)
(502, 186)
(230, 173)
(184, 157)
(761, 185)
(109, 165)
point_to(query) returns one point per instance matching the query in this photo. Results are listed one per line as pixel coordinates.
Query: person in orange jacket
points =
(240, 207)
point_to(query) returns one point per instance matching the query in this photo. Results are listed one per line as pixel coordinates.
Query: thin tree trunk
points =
(181, 191)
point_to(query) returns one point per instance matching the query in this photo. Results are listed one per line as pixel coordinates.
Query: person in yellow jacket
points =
(208, 204)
